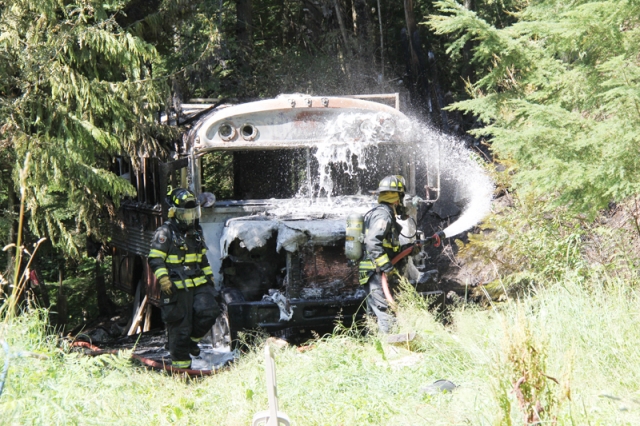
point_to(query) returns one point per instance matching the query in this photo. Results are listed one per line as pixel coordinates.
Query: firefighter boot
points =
(194, 349)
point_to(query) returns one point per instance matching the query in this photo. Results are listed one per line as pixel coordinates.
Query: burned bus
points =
(276, 179)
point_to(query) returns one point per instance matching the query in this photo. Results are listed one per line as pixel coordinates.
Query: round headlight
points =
(248, 131)
(226, 132)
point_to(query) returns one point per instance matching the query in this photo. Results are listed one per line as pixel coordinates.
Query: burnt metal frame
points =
(307, 314)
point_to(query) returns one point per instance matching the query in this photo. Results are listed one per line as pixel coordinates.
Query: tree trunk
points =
(244, 36)
(12, 206)
(365, 35)
(244, 27)
(343, 29)
(282, 34)
(105, 305)
(413, 67)
(61, 304)
(467, 70)
(361, 19)
(411, 27)
(437, 92)
(381, 43)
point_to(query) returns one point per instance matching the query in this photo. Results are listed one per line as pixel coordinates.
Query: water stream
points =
(463, 180)
(351, 141)
(348, 135)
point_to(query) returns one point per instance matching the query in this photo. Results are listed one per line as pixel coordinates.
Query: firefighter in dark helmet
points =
(381, 244)
(179, 262)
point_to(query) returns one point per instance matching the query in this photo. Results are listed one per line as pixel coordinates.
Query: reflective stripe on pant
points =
(188, 314)
(377, 304)
(365, 270)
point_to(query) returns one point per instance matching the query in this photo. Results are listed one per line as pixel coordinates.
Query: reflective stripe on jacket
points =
(381, 241)
(180, 255)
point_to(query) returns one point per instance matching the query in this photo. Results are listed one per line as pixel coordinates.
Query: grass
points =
(586, 341)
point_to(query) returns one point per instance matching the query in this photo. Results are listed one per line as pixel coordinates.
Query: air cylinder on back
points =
(354, 236)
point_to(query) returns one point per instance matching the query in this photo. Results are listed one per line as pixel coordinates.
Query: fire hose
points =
(95, 351)
(436, 239)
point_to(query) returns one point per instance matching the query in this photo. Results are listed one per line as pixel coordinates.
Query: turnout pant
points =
(188, 314)
(377, 304)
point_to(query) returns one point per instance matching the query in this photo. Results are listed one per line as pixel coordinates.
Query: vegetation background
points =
(550, 88)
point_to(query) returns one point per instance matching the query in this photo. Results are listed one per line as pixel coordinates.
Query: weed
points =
(586, 340)
(522, 367)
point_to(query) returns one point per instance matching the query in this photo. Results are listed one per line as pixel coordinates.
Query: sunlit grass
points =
(588, 342)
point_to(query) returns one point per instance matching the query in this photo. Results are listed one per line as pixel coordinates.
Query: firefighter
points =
(381, 244)
(179, 262)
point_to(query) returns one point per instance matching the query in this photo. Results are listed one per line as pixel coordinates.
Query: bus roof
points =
(299, 121)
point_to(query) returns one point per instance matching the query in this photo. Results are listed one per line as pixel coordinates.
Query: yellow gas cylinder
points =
(354, 236)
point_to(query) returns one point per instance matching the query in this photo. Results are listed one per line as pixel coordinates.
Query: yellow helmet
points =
(183, 205)
(392, 183)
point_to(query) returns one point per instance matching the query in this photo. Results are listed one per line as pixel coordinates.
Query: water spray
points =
(463, 180)
(452, 170)
(350, 134)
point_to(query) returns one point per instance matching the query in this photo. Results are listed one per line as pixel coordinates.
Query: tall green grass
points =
(587, 341)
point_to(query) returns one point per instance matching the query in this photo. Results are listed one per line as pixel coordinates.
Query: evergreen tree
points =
(75, 89)
(559, 93)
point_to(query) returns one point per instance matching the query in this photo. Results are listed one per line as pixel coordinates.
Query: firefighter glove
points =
(387, 267)
(415, 248)
(393, 277)
(166, 285)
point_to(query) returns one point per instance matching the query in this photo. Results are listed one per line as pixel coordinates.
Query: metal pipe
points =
(5, 346)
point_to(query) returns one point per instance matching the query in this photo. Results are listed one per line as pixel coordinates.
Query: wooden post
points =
(147, 319)
(136, 305)
(138, 317)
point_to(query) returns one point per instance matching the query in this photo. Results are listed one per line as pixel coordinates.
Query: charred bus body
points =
(293, 168)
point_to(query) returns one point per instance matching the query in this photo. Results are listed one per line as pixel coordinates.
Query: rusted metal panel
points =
(135, 228)
(130, 270)
(134, 240)
(131, 238)
(325, 268)
(127, 270)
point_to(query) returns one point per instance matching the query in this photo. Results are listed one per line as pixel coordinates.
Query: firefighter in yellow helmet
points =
(381, 244)
(178, 260)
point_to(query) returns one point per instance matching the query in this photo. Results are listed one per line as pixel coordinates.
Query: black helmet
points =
(183, 205)
(392, 183)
